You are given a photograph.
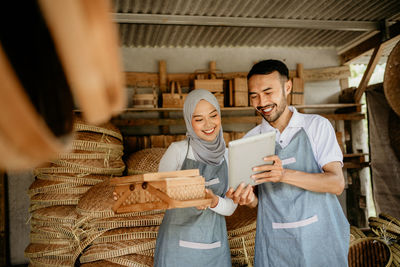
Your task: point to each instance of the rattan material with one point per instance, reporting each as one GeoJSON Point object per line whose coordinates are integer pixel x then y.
{"type": "Point", "coordinates": [96, 137]}
{"type": "Point", "coordinates": [134, 260]}
{"type": "Point", "coordinates": [242, 261]}
{"type": "Point", "coordinates": [98, 201]}
{"type": "Point", "coordinates": [390, 218]}
{"type": "Point", "coordinates": [395, 248]}
{"type": "Point", "coordinates": [44, 186]}
{"type": "Point", "coordinates": [391, 80]}
{"type": "Point", "coordinates": [115, 167]}
{"type": "Point", "coordinates": [40, 239]}
{"type": "Point", "coordinates": [97, 147]}
{"type": "Point", "coordinates": [239, 252]}
{"type": "Point", "coordinates": [237, 241]}
{"type": "Point", "coordinates": [88, 156]}
{"type": "Point", "coordinates": [369, 252]}
{"type": "Point", "coordinates": [58, 214]}
{"type": "Point", "coordinates": [243, 220]}
{"type": "Point", "coordinates": [108, 129]}
{"type": "Point", "coordinates": [100, 264]}
{"type": "Point", "coordinates": [384, 225]}
{"type": "Point", "coordinates": [56, 199]}
{"type": "Point", "coordinates": [116, 249]}
{"type": "Point", "coordinates": [131, 233]}
{"type": "Point", "coordinates": [50, 262]}
{"type": "Point", "coordinates": [144, 161]}
{"type": "Point", "coordinates": [52, 232]}
{"type": "Point", "coordinates": [82, 178]}
{"type": "Point", "coordinates": [149, 252]}
{"type": "Point", "coordinates": [357, 233]}
{"type": "Point", "coordinates": [135, 221]}
{"type": "Point", "coordinates": [40, 250]}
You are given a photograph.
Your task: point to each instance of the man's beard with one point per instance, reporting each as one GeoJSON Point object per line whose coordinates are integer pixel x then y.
{"type": "Point", "coordinates": [280, 109]}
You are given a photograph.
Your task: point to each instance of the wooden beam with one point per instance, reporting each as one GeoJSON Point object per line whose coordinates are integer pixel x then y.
{"type": "Point", "coordinates": [369, 44]}
{"type": "Point", "coordinates": [368, 72]}
{"type": "Point", "coordinates": [162, 66]}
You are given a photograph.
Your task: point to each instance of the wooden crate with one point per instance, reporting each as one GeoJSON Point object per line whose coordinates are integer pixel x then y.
{"type": "Point", "coordinates": [240, 92]}
{"type": "Point", "coordinates": [212, 85]}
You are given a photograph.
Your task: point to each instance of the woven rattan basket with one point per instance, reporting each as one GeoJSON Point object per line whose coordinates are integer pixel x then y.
{"type": "Point", "coordinates": [44, 186]}
{"type": "Point", "coordinates": [145, 160]}
{"type": "Point", "coordinates": [116, 249]}
{"type": "Point", "coordinates": [57, 214]}
{"type": "Point", "coordinates": [135, 221]}
{"type": "Point", "coordinates": [81, 178]}
{"type": "Point", "coordinates": [101, 264]}
{"type": "Point", "coordinates": [133, 260]}
{"type": "Point", "coordinates": [40, 250]}
{"type": "Point", "coordinates": [49, 261]}
{"type": "Point", "coordinates": [105, 128]}
{"type": "Point", "coordinates": [369, 251]}
{"type": "Point", "coordinates": [391, 81]}
{"type": "Point", "coordinates": [247, 238]}
{"type": "Point", "coordinates": [132, 233]}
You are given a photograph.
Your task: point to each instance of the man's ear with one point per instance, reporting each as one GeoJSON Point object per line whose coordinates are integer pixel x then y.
{"type": "Point", "coordinates": [288, 87]}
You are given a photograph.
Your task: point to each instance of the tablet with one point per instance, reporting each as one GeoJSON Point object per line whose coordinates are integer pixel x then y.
{"type": "Point", "coordinates": [246, 153]}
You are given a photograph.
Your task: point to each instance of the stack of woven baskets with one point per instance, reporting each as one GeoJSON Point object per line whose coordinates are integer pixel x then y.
{"type": "Point", "coordinates": [126, 239]}
{"type": "Point", "coordinates": [380, 247]}
{"type": "Point", "coordinates": [241, 228]}
{"type": "Point", "coordinates": [96, 156]}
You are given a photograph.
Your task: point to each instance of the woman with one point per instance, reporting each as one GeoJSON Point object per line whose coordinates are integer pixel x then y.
{"type": "Point", "coordinates": [198, 236]}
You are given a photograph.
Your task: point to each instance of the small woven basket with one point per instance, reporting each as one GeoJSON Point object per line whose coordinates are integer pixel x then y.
{"type": "Point", "coordinates": [369, 251]}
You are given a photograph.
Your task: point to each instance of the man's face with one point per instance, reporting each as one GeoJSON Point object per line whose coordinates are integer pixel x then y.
{"type": "Point", "coordinates": [268, 94]}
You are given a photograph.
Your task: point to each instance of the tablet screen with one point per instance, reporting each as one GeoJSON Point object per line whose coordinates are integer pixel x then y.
{"type": "Point", "coordinates": [246, 153]}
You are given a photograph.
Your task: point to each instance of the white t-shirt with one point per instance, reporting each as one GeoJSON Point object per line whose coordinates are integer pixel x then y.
{"type": "Point", "coordinates": [173, 159]}
{"type": "Point", "coordinates": [318, 129]}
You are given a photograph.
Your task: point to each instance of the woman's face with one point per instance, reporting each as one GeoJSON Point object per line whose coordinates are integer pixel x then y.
{"type": "Point", "coordinates": [206, 121]}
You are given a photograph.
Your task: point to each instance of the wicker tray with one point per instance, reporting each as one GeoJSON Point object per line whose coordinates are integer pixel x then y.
{"type": "Point", "coordinates": [133, 260]}
{"type": "Point", "coordinates": [132, 233]}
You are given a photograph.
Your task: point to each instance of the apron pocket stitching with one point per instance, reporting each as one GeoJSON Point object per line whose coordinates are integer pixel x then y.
{"type": "Point", "coordinates": [297, 224]}
{"type": "Point", "coordinates": [196, 245]}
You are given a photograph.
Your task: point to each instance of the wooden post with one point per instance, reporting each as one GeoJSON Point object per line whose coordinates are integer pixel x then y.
{"type": "Point", "coordinates": [163, 76]}
{"type": "Point", "coordinates": [213, 66]}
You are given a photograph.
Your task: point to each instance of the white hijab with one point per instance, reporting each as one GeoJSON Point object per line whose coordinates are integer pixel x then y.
{"type": "Point", "coordinates": [204, 151]}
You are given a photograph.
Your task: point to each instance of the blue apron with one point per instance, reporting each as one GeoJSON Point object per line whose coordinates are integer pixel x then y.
{"type": "Point", "coordinates": [192, 237]}
{"type": "Point", "coordinates": [297, 227]}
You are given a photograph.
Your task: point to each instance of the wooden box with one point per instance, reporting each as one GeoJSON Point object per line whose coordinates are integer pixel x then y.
{"type": "Point", "coordinates": [212, 85]}
{"type": "Point", "coordinates": [145, 100]}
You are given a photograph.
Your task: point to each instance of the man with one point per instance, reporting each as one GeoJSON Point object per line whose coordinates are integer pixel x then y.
{"type": "Point", "coordinates": [300, 221]}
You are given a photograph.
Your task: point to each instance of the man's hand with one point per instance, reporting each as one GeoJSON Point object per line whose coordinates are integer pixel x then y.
{"type": "Point", "coordinates": [243, 195]}
{"type": "Point", "coordinates": [269, 173]}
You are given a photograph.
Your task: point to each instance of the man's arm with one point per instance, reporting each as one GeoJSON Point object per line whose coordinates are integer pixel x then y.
{"type": "Point", "coordinates": [329, 181]}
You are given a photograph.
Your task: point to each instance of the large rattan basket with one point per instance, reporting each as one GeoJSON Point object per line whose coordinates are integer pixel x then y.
{"type": "Point", "coordinates": [144, 161]}
{"type": "Point", "coordinates": [369, 251]}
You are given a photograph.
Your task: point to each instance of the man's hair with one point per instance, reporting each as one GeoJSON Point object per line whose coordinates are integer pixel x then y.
{"type": "Point", "coordinates": [269, 66]}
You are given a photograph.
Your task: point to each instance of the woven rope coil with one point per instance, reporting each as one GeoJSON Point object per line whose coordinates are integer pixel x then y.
{"type": "Point", "coordinates": [145, 160]}
{"type": "Point", "coordinates": [357, 233]}
{"type": "Point", "coordinates": [134, 260]}
{"type": "Point", "coordinates": [369, 252]}
{"type": "Point", "coordinates": [385, 225]}
{"type": "Point", "coordinates": [116, 249]}
{"type": "Point", "coordinates": [389, 218]}
{"type": "Point", "coordinates": [132, 233]}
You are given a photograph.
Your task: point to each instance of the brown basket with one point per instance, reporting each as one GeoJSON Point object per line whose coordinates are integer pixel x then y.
{"type": "Point", "coordinates": [133, 260]}
{"type": "Point", "coordinates": [97, 138]}
{"type": "Point", "coordinates": [116, 249]}
{"type": "Point", "coordinates": [49, 261]}
{"type": "Point", "coordinates": [57, 232]}
{"type": "Point", "coordinates": [369, 251]}
{"type": "Point", "coordinates": [58, 214]}
{"type": "Point", "coordinates": [40, 250]}
{"type": "Point", "coordinates": [391, 80]}
{"type": "Point", "coordinates": [78, 178]}
{"type": "Point", "coordinates": [384, 225]}
{"type": "Point", "coordinates": [144, 161]}
{"type": "Point", "coordinates": [44, 186]}
{"type": "Point", "coordinates": [247, 238]}
{"type": "Point", "coordinates": [106, 128]}
{"type": "Point", "coordinates": [100, 264]}
{"type": "Point", "coordinates": [134, 221]}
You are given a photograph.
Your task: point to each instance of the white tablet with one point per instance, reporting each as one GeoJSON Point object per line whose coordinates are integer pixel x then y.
{"type": "Point", "coordinates": [246, 153]}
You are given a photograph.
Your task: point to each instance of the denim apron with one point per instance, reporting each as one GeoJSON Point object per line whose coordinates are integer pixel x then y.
{"type": "Point", "coordinates": [192, 237]}
{"type": "Point", "coordinates": [297, 227]}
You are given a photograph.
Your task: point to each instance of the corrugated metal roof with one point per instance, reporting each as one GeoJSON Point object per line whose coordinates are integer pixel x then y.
{"type": "Point", "coordinates": [211, 23]}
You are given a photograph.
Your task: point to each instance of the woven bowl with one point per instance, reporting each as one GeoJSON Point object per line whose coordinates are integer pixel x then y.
{"type": "Point", "coordinates": [391, 80]}
{"type": "Point", "coordinates": [145, 160]}
{"type": "Point", "coordinates": [369, 251]}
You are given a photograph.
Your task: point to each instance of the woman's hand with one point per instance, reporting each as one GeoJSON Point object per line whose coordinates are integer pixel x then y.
{"type": "Point", "coordinates": [214, 201]}
{"type": "Point", "coordinates": [243, 195]}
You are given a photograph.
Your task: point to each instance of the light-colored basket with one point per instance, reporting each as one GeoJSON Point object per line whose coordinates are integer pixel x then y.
{"type": "Point", "coordinates": [237, 241]}
{"type": "Point", "coordinates": [134, 260]}
{"type": "Point", "coordinates": [48, 261]}
{"type": "Point", "coordinates": [40, 250]}
{"type": "Point", "coordinates": [118, 222]}
{"type": "Point", "coordinates": [106, 128]}
{"type": "Point", "coordinates": [116, 249]}
{"type": "Point", "coordinates": [100, 264]}
{"type": "Point", "coordinates": [369, 251]}
{"type": "Point", "coordinates": [44, 186]}
{"type": "Point", "coordinates": [132, 233]}
{"type": "Point", "coordinates": [78, 178]}
{"type": "Point", "coordinates": [145, 160]}
{"type": "Point", "coordinates": [57, 214]}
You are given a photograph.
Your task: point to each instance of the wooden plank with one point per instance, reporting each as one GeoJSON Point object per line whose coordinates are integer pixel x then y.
{"type": "Point", "coordinates": [369, 44]}
{"type": "Point", "coordinates": [153, 176]}
{"type": "Point", "coordinates": [162, 65]}
{"type": "Point", "coordinates": [330, 73]}
{"type": "Point", "coordinates": [141, 79]}
{"type": "Point", "coordinates": [376, 55]}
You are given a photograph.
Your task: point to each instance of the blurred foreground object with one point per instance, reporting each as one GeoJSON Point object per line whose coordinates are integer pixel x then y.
{"type": "Point", "coordinates": [391, 80]}
{"type": "Point", "coordinates": [72, 58]}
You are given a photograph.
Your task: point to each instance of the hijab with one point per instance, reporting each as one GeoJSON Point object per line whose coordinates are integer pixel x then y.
{"type": "Point", "coordinates": [204, 151]}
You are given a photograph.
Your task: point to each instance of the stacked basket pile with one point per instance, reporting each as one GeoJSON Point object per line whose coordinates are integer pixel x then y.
{"type": "Point", "coordinates": [96, 156]}
{"type": "Point", "coordinates": [241, 228]}
{"type": "Point", "coordinates": [379, 246]}
{"type": "Point", "coordinates": [126, 239]}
